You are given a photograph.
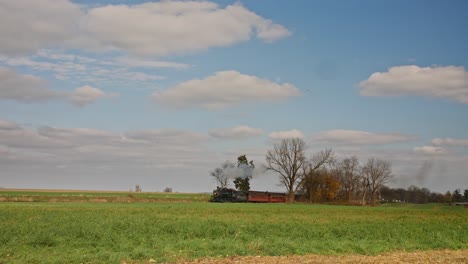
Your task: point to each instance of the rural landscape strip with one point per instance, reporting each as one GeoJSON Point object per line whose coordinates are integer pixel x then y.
{"type": "Point", "coordinates": [181, 227]}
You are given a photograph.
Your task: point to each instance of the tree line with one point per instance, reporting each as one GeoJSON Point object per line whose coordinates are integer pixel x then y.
{"type": "Point", "coordinates": [323, 178]}
{"type": "Point", "coordinates": [414, 194]}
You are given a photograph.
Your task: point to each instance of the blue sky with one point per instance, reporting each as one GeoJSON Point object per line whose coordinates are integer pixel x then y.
{"type": "Point", "coordinates": [110, 94]}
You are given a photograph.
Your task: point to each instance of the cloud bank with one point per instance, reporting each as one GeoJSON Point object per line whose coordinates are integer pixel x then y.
{"type": "Point", "coordinates": [357, 137]}
{"type": "Point", "coordinates": [88, 146]}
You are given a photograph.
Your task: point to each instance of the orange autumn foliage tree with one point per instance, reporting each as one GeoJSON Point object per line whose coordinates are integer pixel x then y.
{"type": "Point", "coordinates": [321, 186]}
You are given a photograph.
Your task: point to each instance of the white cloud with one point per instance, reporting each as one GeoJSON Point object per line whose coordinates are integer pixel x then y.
{"type": "Point", "coordinates": [28, 62]}
{"type": "Point", "coordinates": [168, 27]}
{"type": "Point", "coordinates": [224, 89]}
{"type": "Point", "coordinates": [445, 82]}
{"type": "Point", "coordinates": [77, 137]}
{"type": "Point", "coordinates": [237, 132]}
{"type": "Point", "coordinates": [142, 77]}
{"type": "Point", "coordinates": [450, 142]}
{"type": "Point", "coordinates": [294, 133]}
{"type": "Point", "coordinates": [14, 136]}
{"type": "Point", "coordinates": [90, 147]}
{"type": "Point", "coordinates": [26, 26]}
{"type": "Point", "coordinates": [137, 62]}
{"type": "Point", "coordinates": [165, 136]}
{"type": "Point", "coordinates": [430, 150]}
{"type": "Point", "coordinates": [69, 66]}
{"type": "Point", "coordinates": [25, 88]}
{"type": "Point", "coordinates": [31, 89]}
{"type": "Point", "coordinates": [177, 26]}
{"type": "Point", "coordinates": [86, 95]}
{"type": "Point", "coordinates": [356, 137]}
{"type": "Point", "coordinates": [157, 157]}
{"type": "Point", "coordinates": [8, 125]}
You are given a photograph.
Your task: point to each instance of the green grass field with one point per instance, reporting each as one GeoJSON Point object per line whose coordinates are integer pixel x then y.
{"type": "Point", "coordinates": [137, 232]}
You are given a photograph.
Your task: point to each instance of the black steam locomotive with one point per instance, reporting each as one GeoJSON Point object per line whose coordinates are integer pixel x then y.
{"type": "Point", "coordinates": [231, 195]}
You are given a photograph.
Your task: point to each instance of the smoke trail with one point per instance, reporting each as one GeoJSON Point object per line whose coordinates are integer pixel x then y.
{"type": "Point", "coordinates": [424, 171]}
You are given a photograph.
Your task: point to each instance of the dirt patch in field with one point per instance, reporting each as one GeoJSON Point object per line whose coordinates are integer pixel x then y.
{"type": "Point", "coordinates": [435, 256]}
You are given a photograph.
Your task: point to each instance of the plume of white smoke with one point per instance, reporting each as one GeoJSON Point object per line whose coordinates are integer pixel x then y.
{"type": "Point", "coordinates": [243, 171]}
{"type": "Point", "coordinates": [424, 171]}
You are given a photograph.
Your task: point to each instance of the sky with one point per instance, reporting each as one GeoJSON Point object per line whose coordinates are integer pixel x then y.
{"type": "Point", "coordinates": [105, 95]}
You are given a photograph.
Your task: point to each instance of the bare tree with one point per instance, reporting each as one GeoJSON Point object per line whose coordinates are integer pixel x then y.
{"type": "Point", "coordinates": [348, 171]}
{"type": "Point", "coordinates": [364, 184]}
{"type": "Point", "coordinates": [288, 160]}
{"type": "Point", "coordinates": [221, 175]}
{"type": "Point", "coordinates": [376, 173]}
{"type": "Point", "coordinates": [137, 188]}
{"type": "Point", "coordinates": [318, 160]}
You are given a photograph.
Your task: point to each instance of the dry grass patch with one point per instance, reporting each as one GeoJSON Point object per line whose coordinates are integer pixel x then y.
{"type": "Point", "coordinates": [433, 256]}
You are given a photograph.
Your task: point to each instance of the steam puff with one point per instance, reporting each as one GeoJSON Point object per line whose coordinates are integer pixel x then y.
{"type": "Point", "coordinates": [244, 171]}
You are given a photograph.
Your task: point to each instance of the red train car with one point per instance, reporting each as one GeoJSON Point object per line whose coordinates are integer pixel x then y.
{"type": "Point", "coordinates": [266, 197]}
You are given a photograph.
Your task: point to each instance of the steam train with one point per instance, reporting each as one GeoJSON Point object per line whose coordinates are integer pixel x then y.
{"type": "Point", "coordinates": [223, 195]}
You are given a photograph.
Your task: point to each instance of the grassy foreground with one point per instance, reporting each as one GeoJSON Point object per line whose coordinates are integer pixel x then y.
{"type": "Point", "coordinates": [138, 232]}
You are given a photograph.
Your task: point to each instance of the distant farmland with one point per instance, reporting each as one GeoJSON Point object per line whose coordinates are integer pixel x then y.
{"type": "Point", "coordinates": [190, 228]}
{"type": "Point", "coordinates": [31, 195]}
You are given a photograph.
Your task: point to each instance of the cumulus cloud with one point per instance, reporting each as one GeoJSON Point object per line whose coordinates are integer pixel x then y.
{"type": "Point", "coordinates": [445, 82]}
{"type": "Point", "coordinates": [356, 137]}
{"type": "Point", "coordinates": [177, 26]}
{"type": "Point", "coordinates": [450, 142]}
{"type": "Point", "coordinates": [430, 150]}
{"type": "Point", "coordinates": [169, 26]}
{"type": "Point", "coordinates": [25, 88]}
{"type": "Point", "coordinates": [224, 89]}
{"type": "Point", "coordinates": [238, 132]}
{"type": "Point", "coordinates": [293, 133]}
{"type": "Point", "coordinates": [26, 26]}
{"type": "Point", "coordinates": [31, 89]}
{"type": "Point", "coordinates": [86, 95]}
